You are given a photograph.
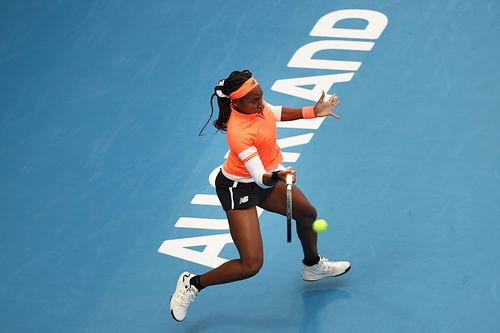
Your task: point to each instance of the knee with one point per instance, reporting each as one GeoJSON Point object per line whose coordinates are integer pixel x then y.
{"type": "Point", "coordinates": [252, 266]}
{"type": "Point", "coordinates": [312, 213]}
{"type": "Point", "coordinates": [308, 214]}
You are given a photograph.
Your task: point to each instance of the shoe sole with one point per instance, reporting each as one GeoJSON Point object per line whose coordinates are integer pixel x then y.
{"type": "Point", "coordinates": [172, 313]}
{"type": "Point", "coordinates": [324, 277]}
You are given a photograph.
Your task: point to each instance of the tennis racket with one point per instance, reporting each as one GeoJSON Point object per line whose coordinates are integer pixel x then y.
{"type": "Point", "coordinates": [289, 185]}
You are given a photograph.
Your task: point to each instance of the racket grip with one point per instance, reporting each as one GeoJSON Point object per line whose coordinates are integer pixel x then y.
{"type": "Point", "coordinates": [289, 180]}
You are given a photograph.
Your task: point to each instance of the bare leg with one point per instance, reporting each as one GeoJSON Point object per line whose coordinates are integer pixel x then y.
{"type": "Point", "coordinates": [245, 231]}
{"type": "Point", "coordinates": [303, 213]}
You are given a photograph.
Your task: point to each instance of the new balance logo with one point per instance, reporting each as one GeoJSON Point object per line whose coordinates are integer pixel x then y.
{"type": "Point", "coordinates": [244, 199]}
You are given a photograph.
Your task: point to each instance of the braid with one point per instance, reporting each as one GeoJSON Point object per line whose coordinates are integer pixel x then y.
{"type": "Point", "coordinates": [226, 87]}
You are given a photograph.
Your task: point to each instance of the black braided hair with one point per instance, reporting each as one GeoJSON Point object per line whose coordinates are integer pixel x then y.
{"type": "Point", "coordinates": [231, 84]}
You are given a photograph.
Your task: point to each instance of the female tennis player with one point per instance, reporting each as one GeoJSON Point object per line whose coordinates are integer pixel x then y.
{"type": "Point", "coordinates": [250, 177]}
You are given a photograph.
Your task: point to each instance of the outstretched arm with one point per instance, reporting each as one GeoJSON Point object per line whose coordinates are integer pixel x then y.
{"type": "Point", "coordinates": [321, 109]}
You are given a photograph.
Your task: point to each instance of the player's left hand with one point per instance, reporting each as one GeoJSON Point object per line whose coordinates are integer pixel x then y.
{"type": "Point", "coordinates": [325, 108]}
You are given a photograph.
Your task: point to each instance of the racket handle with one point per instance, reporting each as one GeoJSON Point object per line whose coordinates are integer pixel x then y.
{"type": "Point", "coordinates": [289, 180]}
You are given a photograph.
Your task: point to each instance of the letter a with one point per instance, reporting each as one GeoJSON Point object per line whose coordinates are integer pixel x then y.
{"type": "Point", "coordinates": [208, 257]}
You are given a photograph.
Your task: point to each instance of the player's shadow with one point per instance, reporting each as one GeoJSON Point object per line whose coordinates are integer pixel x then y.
{"type": "Point", "coordinates": [255, 322]}
{"type": "Point", "coordinates": [315, 297]}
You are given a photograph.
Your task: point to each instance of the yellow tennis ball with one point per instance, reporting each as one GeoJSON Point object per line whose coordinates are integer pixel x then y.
{"type": "Point", "coordinates": [320, 225]}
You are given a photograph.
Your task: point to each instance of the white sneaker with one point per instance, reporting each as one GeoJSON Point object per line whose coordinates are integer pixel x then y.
{"type": "Point", "coordinates": [183, 296]}
{"type": "Point", "coordinates": [324, 268]}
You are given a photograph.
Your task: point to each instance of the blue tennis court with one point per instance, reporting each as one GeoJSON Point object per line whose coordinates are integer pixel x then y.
{"type": "Point", "coordinates": [106, 189]}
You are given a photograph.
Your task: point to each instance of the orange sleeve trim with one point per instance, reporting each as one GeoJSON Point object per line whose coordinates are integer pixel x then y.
{"type": "Point", "coordinates": [308, 112]}
{"type": "Point", "coordinates": [248, 158]}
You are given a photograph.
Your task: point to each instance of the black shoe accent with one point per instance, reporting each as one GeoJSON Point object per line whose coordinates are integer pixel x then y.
{"type": "Point", "coordinates": [347, 270]}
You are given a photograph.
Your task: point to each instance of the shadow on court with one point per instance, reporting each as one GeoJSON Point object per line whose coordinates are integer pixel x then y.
{"type": "Point", "coordinates": [317, 297]}
{"type": "Point", "coordinates": [302, 313]}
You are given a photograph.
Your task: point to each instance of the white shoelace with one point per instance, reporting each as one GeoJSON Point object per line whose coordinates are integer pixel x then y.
{"type": "Point", "coordinates": [188, 296]}
{"type": "Point", "coordinates": [323, 265]}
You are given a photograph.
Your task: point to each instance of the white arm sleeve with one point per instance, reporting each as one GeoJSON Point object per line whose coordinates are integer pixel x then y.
{"type": "Point", "coordinates": [276, 110]}
{"type": "Point", "coordinates": [256, 169]}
